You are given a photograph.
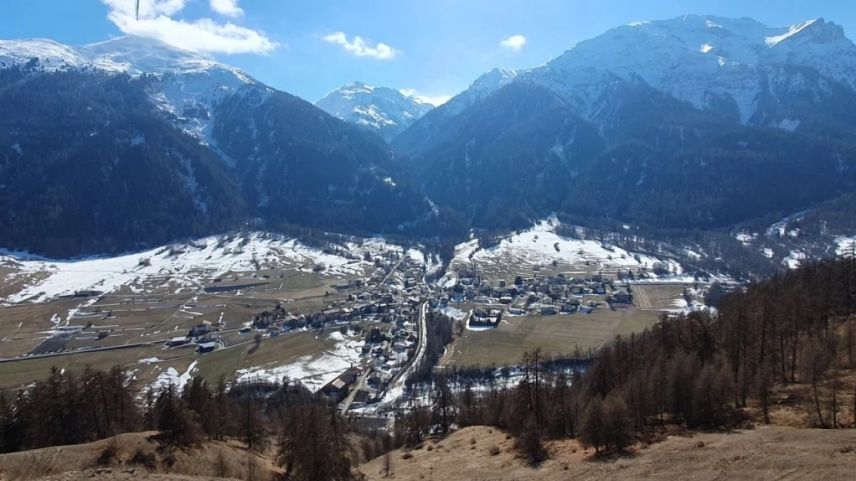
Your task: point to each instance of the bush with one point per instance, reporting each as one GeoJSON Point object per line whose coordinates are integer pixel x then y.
{"type": "Point", "coordinates": [617, 423]}
{"type": "Point", "coordinates": [529, 444]}
{"type": "Point", "coordinates": [147, 460]}
{"type": "Point", "coordinates": [107, 455]}
{"type": "Point", "coordinates": [606, 423]}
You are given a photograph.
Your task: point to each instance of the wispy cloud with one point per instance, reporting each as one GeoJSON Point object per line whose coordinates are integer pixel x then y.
{"type": "Point", "coordinates": [360, 47]}
{"type": "Point", "coordinates": [435, 100]}
{"type": "Point", "coordinates": [204, 35]}
{"type": "Point", "coordinates": [514, 42]}
{"type": "Point", "coordinates": [228, 8]}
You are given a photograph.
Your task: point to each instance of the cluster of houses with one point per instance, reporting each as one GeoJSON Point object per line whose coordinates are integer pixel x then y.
{"type": "Point", "coordinates": [538, 295]}
{"type": "Point", "coordinates": [205, 337]}
{"type": "Point", "coordinates": [385, 308]}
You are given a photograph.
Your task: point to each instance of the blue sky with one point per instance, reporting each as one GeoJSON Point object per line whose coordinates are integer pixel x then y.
{"type": "Point", "coordinates": [435, 47]}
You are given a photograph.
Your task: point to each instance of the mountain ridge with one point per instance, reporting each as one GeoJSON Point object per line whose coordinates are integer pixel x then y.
{"type": "Point", "coordinates": [658, 94]}
{"type": "Point", "coordinates": [339, 177]}
{"type": "Point", "coordinates": [382, 110]}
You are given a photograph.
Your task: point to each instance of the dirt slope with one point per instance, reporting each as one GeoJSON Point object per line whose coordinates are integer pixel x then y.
{"type": "Point", "coordinates": [134, 456]}
{"type": "Point", "coordinates": [767, 453]}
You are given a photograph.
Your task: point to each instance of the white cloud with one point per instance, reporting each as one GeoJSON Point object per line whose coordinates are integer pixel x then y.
{"type": "Point", "coordinates": [435, 100]}
{"type": "Point", "coordinates": [228, 8]}
{"type": "Point", "coordinates": [359, 47]}
{"type": "Point", "coordinates": [514, 42]}
{"type": "Point", "coordinates": [203, 35]}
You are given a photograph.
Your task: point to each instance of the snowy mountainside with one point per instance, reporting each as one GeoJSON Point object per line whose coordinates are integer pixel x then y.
{"type": "Point", "coordinates": [705, 60]}
{"type": "Point", "coordinates": [222, 141]}
{"type": "Point", "coordinates": [801, 237]}
{"type": "Point", "coordinates": [383, 110]}
{"type": "Point", "coordinates": [434, 125]}
{"type": "Point", "coordinates": [694, 122]}
{"type": "Point", "coordinates": [183, 266]}
{"type": "Point", "coordinates": [188, 85]}
{"type": "Point", "coordinates": [486, 84]}
{"type": "Point", "coordinates": [51, 55]}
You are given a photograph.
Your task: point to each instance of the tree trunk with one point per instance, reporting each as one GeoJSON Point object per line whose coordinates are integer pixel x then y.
{"type": "Point", "coordinates": [817, 400]}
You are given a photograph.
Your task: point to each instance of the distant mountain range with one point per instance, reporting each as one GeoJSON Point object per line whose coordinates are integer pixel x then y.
{"type": "Point", "coordinates": [382, 110]}
{"type": "Point", "coordinates": [130, 142]}
{"type": "Point", "coordinates": [694, 123]}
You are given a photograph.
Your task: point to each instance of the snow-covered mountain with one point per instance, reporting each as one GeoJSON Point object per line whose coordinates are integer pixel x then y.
{"type": "Point", "coordinates": [695, 121]}
{"type": "Point", "coordinates": [130, 142]}
{"type": "Point", "coordinates": [186, 84]}
{"type": "Point", "coordinates": [383, 110]}
{"type": "Point", "coordinates": [740, 66]}
{"type": "Point", "coordinates": [427, 130]}
{"type": "Point", "coordinates": [486, 84]}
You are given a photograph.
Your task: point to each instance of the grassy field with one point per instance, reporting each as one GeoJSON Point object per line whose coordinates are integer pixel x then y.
{"type": "Point", "coordinates": [658, 297]}
{"type": "Point", "coordinates": [764, 453]}
{"type": "Point", "coordinates": [278, 350]}
{"type": "Point", "coordinates": [22, 372]}
{"type": "Point", "coordinates": [555, 335]}
{"type": "Point", "coordinates": [243, 354]}
{"type": "Point", "coordinates": [23, 326]}
{"type": "Point", "coordinates": [158, 313]}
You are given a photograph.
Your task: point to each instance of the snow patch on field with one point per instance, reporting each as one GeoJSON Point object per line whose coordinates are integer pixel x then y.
{"type": "Point", "coordinates": [314, 372]}
{"type": "Point", "coordinates": [172, 377]}
{"type": "Point", "coordinates": [453, 312]}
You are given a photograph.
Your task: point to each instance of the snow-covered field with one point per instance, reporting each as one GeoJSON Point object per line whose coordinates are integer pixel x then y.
{"type": "Point", "coordinates": [312, 371]}
{"type": "Point", "coordinates": [453, 312]}
{"type": "Point", "coordinates": [541, 245]}
{"type": "Point", "coordinates": [181, 266]}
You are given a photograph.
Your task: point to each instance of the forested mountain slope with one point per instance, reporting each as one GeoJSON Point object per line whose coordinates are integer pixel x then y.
{"type": "Point", "coordinates": [689, 123]}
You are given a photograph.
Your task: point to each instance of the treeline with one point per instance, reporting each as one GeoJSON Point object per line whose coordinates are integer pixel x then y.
{"type": "Point", "coordinates": [699, 370]}
{"type": "Point", "coordinates": [438, 336]}
{"type": "Point", "coordinates": [67, 408]}
{"type": "Point", "coordinates": [312, 441]}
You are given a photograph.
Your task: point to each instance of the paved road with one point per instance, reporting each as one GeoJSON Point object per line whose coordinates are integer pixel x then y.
{"type": "Point", "coordinates": [346, 404]}
{"type": "Point", "coordinates": [397, 384]}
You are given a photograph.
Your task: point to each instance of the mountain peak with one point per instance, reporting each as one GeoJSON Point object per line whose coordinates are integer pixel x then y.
{"type": "Point", "coordinates": [815, 31]}
{"type": "Point", "coordinates": [383, 110]}
{"type": "Point", "coordinates": [356, 87]}
{"type": "Point", "coordinates": [51, 55]}
{"type": "Point", "coordinates": [138, 55]}
{"type": "Point", "coordinates": [494, 79]}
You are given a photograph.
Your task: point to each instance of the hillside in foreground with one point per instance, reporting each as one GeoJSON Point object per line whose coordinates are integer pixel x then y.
{"type": "Point", "coordinates": [764, 453]}
{"type": "Point", "coordinates": [136, 456]}
{"type": "Point", "coordinates": [759, 454]}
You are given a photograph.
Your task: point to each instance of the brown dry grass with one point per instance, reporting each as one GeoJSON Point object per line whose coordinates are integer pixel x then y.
{"type": "Point", "coordinates": [557, 335]}
{"type": "Point", "coordinates": [211, 459]}
{"type": "Point", "coordinates": [765, 453]}
{"type": "Point", "coordinates": [657, 297]}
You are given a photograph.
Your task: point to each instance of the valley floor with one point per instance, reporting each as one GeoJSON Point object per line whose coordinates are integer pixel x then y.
{"type": "Point", "coordinates": [765, 453]}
